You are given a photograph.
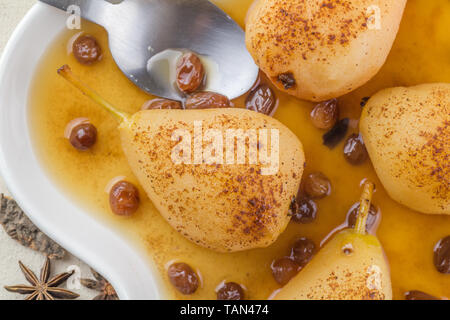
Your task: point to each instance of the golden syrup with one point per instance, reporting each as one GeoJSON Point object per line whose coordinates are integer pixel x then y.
{"type": "Point", "coordinates": [420, 55]}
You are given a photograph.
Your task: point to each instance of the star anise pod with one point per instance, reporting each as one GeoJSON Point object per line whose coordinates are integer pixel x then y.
{"type": "Point", "coordinates": [100, 284]}
{"type": "Point", "coordinates": [42, 288]}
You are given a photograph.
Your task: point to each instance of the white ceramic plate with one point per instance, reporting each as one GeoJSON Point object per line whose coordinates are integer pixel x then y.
{"type": "Point", "coordinates": [54, 213]}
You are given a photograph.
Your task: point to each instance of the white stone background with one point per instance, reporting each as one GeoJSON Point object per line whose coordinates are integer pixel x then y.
{"type": "Point", "coordinates": [11, 12]}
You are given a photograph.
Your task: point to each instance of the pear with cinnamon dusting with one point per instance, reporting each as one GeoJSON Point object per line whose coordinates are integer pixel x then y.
{"type": "Point", "coordinates": [350, 266]}
{"type": "Point", "coordinates": [318, 50]}
{"type": "Point", "coordinates": [209, 194]}
{"type": "Point", "coordinates": [407, 136]}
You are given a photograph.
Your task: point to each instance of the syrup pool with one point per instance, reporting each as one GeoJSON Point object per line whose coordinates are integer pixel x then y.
{"type": "Point", "coordinates": [420, 54]}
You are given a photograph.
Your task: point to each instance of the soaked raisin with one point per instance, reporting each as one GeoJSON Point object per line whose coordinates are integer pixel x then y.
{"type": "Point", "coordinates": [190, 73]}
{"type": "Point", "coordinates": [355, 151]}
{"type": "Point", "coordinates": [303, 210]}
{"type": "Point", "coordinates": [336, 134]}
{"type": "Point", "coordinates": [207, 100]}
{"type": "Point", "coordinates": [316, 185]}
{"type": "Point", "coordinates": [124, 198]}
{"type": "Point", "coordinates": [372, 218]}
{"type": "Point", "coordinates": [364, 101]}
{"type": "Point", "coordinates": [83, 136]}
{"type": "Point", "coordinates": [230, 291]}
{"type": "Point", "coordinates": [86, 50]}
{"type": "Point", "coordinates": [161, 104]}
{"type": "Point", "coordinates": [287, 79]}
{"type": "Point", "coordinates": [183, 278]}
{"type": "Point", "coordinates": [302, 251]}
{"type": "Point", "coordinates": [262, 99]}
{"type": "Point", "coordinates": [325, 114]}
{"type": "Point", "coordinates": [419, 295]}
{"type": "Point", "coordinates": [284, 269]}
{"type": "Point", "coordinates": [442, 255]}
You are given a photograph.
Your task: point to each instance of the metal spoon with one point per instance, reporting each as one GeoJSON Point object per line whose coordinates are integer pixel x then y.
{"type": "Point", "coordinates": [143, 30]}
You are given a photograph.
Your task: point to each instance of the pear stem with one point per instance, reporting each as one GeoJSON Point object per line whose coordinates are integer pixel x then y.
{"type": "Point", "coordinates": [67, 74]}
{"type": "Point", "coordinates": [364, 207]}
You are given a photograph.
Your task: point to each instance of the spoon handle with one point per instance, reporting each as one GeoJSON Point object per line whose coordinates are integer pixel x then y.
{"type": "Point", "coordinates": [96, 11]}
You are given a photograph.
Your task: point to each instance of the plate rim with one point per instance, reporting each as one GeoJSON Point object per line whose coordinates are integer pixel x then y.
{"type": "Point", "coordinates": [135, 278]}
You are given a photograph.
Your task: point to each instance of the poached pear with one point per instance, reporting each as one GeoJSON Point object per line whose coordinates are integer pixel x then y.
{"type": "Point", "coordinates": [350, 266]}
{"type": "Point", "coordinates": [407, 135]}
{"type": "Point", "coordinates": [224, 206]}
{"type": "Point", "coordinates": [318, 50]}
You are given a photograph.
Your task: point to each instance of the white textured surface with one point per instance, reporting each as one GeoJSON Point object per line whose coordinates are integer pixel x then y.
{"type": "Point", "coordinates": [11, 12]}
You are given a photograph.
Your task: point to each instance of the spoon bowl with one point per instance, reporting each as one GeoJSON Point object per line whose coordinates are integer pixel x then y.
{"type": "Point", "coordinates": [141, 31]}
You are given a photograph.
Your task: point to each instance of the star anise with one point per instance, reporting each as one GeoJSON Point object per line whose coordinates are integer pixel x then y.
{"type": "Point", "coordinates": [100, 284]}
{"type": "Point", "coordinates": [42, 288]}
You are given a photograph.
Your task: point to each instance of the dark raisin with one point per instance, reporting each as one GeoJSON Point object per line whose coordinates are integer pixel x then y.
{"type": "Point", "coordinates": [355, 151]}
{"type": "Point", "coordinates": [207, 100]}
{"type": "Point", "coordinates": [419, 295]}
{"type": "Point", "coordinates": [372, 218]}
{"type": "Point", "coordinates": [284, 269]}
{"type": "Point", "coordinates": [325, 114]}
{"type": "Point", "coordinates": [86, 50]}
{"type": "Point", "coordinates": [190, 73]}
{"type": "Point", "coordinates": [302, 209]}
{"type": "Point", "coordinates": [262, 99]}
{"type": "Point", "coordinates": [183, 278]}
{"type": "Point", "coordinates": [442, 255]}
{"type": "Point", "coordinates": [316, 185]}
{"type": "Point", "coordinates": [161, 104]}
{"type": "Point", "coordinates": [332, 138]}
{"type": "Point", "coordinates": [287, 79]}
{"type": "Point", "coordinates": [364, 101]}
{"type": "Point", "coordinates": [83, 136]}
{"type": "Point", "coordinates": [302, 251]}
{"type": "Point", "coordinates": [230, 291]}
{"type": "Point", "coordinates": [124, 198]}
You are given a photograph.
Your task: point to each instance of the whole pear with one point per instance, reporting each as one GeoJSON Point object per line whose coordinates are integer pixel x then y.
{"type": "Point", "coordinates": [318, 50]}
{"type": "Point", "coordinates": [224, 207]}
{"type": "Point", "coordinates": [407, 135]}
{"type": "Point", "coordinates": [182, 159]}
